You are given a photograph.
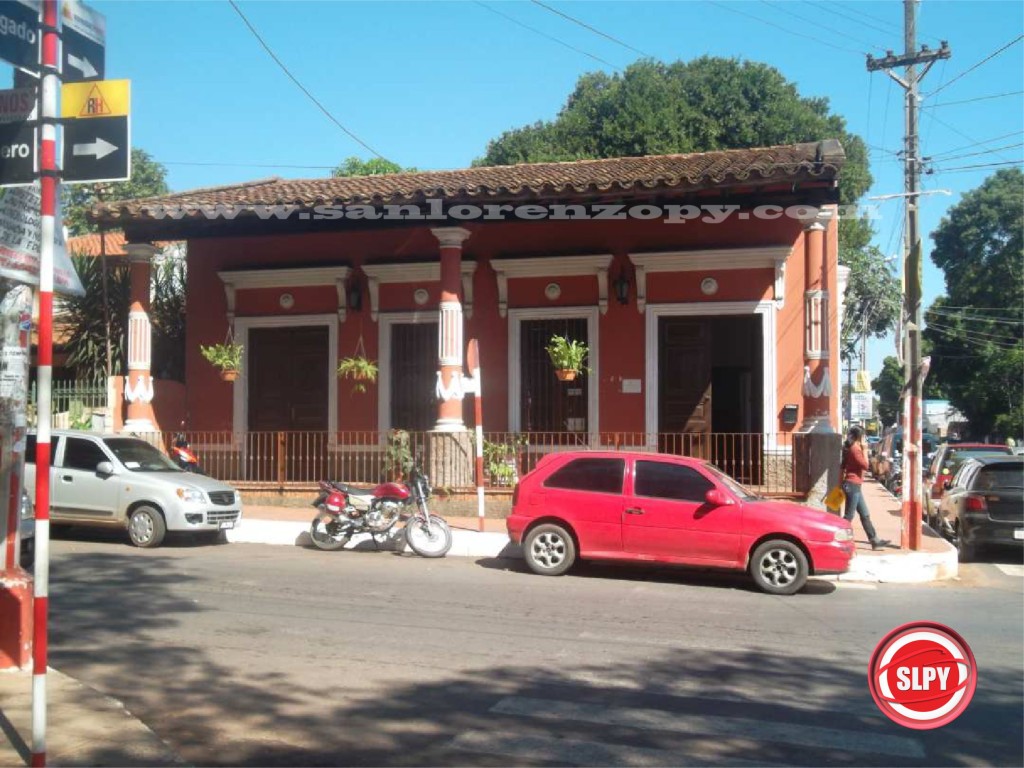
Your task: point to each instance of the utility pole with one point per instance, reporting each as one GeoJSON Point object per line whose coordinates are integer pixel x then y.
{"type": "Point", "coordinates": [913, 375]}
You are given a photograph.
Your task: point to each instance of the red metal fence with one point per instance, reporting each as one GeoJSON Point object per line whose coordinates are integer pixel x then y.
{"type": "Point", "coordinates": [297, 460]}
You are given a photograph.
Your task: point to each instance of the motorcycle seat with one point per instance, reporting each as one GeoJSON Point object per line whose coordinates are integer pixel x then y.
{"type": "Point", "coordinates": [352, 490]}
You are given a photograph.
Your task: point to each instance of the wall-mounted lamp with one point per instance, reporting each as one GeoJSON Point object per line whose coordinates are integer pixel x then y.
{"type": "Point", "coordinates": [621, 286]}
{"type": "Point", "coordinates": [355, 296]}
{"type": "Point", "coordinates": [790, 411]}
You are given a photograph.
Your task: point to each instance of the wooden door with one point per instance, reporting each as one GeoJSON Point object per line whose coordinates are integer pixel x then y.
{"type": "Point", "coordinates": [684, 384]}
{"type": "Point", "coordinates": [413, 376]}
{"type": "Point", "coordinates": [288, 386]}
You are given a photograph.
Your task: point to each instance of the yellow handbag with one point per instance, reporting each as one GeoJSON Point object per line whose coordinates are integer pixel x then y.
{"type": "Point", "coordinates": [835, 500]}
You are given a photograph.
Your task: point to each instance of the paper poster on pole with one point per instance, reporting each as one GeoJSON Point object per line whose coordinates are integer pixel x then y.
{"type": "Point", "coordinates": [19, 242]}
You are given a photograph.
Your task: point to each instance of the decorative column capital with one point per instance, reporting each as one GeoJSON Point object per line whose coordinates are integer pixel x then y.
{"type": "Point", "coordinates": [141, 251]}
{"type": "Point", "coordinates": [451, 237]}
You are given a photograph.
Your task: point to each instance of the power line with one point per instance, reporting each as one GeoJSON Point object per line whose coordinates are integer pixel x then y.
{"type": "Point", "coordinates": [971, 69]}
{"type": "Point", "coordinates": [979, 309]}
{"type": "Point", "coordinates": [982, 165]}
{"type": "Point", "coordinates": [998, 320]}
{"type": "Point", "coordinates": [982, 152]}
{"type": "Point", "coordinates": [544, 34]}
{"type": "Point", "coordinates": [836, 12]}
{"type": "Point", "coordinates": [971, 101]}
{"type": "Point", "coordinates": [303, 88]}
{"type": "Point", "coordinates": [958, 132]}
{"type": "Point", "coordinates": [977, 336]}
{"type": "Point", "coordinates": [784, 29]}
{"type": "Point", "coordinates": [817, 23]}
{"type": "Point", "coordinates": [976, 144]}
{"type": "Point", "coordinates": [596, 31]}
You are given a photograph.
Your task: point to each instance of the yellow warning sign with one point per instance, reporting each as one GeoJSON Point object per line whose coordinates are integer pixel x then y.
{"type": "Point", "coordinates": [100, 98]}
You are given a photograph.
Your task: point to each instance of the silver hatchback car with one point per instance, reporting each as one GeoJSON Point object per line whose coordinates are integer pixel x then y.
{"type": "Point", "coordinates": [122, 481]}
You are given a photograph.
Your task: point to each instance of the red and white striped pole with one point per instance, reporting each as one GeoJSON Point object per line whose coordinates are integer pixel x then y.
{"type": "Point", "coordinates": [48, 209]}
{"type": "Point", "coordinates": [473, 361]}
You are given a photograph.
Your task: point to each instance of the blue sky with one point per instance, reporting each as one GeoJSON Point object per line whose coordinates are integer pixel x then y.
{"type": "Point", "coordinates": [427, 84]}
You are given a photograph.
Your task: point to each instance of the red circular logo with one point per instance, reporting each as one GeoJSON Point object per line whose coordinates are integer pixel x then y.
{"type": "Point", "coordinates": [922, 675]}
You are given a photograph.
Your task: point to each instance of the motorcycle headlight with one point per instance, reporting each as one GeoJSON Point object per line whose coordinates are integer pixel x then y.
{"type": "Point", "coordinates": [190, 495]}
{"type": "Point", "coordinates": [26, 507]}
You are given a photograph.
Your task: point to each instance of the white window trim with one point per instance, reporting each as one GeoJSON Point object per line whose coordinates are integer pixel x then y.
{"type": "Point", "coordinates": [553, 266]}
{"type": "Point", "coordinates": [416, 272]}
{"type": "Point", "coordinates": [760, 257]}
{"type": "Point", "coordinates": [385, 322]}
{"type": "Point", "coordinates": [243, 325]}
{"type": "Point", "coordinates": [246, 279]}
{"type": "Point", "coordinates": [515, 373]}
{"type": "Point", "coordinates": [766, 309]}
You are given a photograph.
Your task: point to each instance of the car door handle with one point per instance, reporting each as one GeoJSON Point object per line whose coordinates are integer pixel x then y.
{"type": "Point", "coordinates": [67, 478]}
{"type": "Point", "coordinates": [634, 511]}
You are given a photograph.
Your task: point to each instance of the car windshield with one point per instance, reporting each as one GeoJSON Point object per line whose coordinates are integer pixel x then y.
{"type": "Point", "coordinates": [731, 484]}
{"type": "Point", "coordinates": [139, 456]}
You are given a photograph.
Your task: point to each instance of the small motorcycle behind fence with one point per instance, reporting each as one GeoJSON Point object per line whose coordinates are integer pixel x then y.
{"type": "Point", "coordinates": [346, 510]}
{"type": "Point", "coordinates": [183, 454]}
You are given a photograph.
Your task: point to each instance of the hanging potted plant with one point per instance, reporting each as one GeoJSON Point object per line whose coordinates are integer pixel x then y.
{"type": "Point", "coordinates": [567, 357]}
{"type": "Point", "coordinates": [227, 357]}
{"type": "Point", "coordinates": [358, 368]}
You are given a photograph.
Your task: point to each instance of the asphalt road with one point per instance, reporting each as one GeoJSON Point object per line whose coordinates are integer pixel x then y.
{"type": "Point", "coordinates": [258, 655]}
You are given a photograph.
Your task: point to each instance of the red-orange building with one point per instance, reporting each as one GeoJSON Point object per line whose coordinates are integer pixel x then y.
{"type": "Point", "coordinates": [706, 286]}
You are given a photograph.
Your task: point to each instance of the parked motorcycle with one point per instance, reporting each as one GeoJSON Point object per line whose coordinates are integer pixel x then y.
{"type": "Point", "coordinates": [346, 510]}
{"type": "Point", "coordinates": [183, 454]}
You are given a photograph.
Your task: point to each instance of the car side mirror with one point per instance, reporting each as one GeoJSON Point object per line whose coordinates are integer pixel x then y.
{"type": "Point", "coordinates": [105, 468]}
{"type": "Point", "coordinates": [717, 498]}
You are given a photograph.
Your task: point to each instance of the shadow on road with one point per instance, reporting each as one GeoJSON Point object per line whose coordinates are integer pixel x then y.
{"type": "Point", "coordinates": [187, 697]}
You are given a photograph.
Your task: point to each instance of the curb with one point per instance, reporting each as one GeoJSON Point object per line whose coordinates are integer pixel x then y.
{"type": "Point", "coordinates": [896, 568]}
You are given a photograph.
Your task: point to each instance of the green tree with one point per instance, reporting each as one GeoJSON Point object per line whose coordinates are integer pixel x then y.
{"type": "Point", "coordinates": [167, 316]}
{"type": "Point", "coordinates": [375, 166]}
{"type": "Point", "coordinates": [149, 178]}
{"type": "Point", "coordinates": [888, 387]}
{"type": "Point", "coordinates": [711, 104]}
{"type": "Point", "coordinates": [84, 318]}
{"type": "Point", "coordinates": [976, 331]}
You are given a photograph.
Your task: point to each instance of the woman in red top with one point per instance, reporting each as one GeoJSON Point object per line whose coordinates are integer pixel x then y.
{"type": "Point", "coordinates": [852, 473]}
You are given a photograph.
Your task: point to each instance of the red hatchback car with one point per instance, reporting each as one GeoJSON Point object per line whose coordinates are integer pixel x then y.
{"type": "Point", "coordinates": [649, 507]}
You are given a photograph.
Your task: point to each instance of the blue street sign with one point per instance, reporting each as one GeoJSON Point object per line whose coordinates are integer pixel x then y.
{"type": "Point", "coordinates": [19, 33]}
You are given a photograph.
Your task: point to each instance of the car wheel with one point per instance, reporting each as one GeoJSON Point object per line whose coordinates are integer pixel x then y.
{"type": "Point", "coordinates": [549, 550]}
{"type": "Point", "coordinates": [146, 527]}
{"type": "Point", "coordinates": [966, 551]}
{"type": "Point", "coordinates": [779, 567]}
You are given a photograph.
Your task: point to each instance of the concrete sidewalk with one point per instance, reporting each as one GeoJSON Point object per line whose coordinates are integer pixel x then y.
{"type": "Point", "coordinates": [936, 560]}
{"type": "Point", "coordinates": [84, 727]}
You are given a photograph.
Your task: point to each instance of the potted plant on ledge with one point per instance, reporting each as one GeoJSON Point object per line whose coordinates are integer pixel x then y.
{"type": "Point", "coordinates": [567, 357]}
{"type": "Point", "coordinates": [227, 357]}
{"type": "Point", "coordinates": [359, 369]}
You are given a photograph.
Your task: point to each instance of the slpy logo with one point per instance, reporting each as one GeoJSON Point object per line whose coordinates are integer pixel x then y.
{"type": "Point", "coordinates": [922, 675]}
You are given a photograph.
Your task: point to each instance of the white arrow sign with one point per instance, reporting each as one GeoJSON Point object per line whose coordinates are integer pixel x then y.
{"type": "Point", "coordinates": [82, 65]}
{"type": "Point", "coordinates": [100, 148]}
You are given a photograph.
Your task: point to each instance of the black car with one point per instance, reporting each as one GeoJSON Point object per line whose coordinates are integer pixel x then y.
{"type": "Point", "coordinates": [984, 504]}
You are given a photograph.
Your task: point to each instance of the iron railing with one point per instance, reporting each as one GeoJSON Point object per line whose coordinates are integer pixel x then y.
{"type": "Point", "coordinates": [297, 460]}
{"type": "Point", "coordinates": [71, 403]}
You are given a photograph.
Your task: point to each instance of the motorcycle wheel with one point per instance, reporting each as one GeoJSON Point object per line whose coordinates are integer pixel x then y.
{"type": "Point", "coordinates": [432, 542]}
{"type": "Point", "coordinates": [320, 531]}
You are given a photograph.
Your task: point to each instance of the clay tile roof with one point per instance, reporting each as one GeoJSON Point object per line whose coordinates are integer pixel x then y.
{"type": "Point", "coordinates": [89, 244]}
{"type": "Point", "coordinates": [543, 181]}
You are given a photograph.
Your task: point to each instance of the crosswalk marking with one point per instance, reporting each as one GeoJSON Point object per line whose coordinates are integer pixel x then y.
{"type": "Point", "coordinates": [579, 752]}
{"type": "Point", "coordinates": [675, 722]}
{"type": "Point", "coordinates": [1010, 570]}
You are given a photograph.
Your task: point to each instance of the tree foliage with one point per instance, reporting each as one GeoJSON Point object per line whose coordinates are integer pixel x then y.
{"type": "Point", "coordinates": [712, 104]}
{"type": "Point", "coordinates": [976, 331]}
{"type": "Point", "coordinates": [83, 317]}
{"type": "Point", "coordinates": [888, 387]}
{"type": "Point", "coordinates": [375, 166]}
{"type": "Point", "coordinates": [149, 178]}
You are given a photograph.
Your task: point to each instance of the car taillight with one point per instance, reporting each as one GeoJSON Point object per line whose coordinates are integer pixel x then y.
{"type": "Point", "coordinates": [976, 504]}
